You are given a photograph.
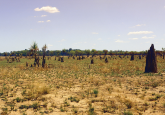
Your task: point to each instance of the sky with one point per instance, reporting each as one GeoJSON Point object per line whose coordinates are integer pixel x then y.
{"type": "Point", "coordinates": [128, 25]}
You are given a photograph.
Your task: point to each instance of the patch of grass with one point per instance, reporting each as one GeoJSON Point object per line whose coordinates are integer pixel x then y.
{"type": "Point", "coordinates": [146, 87]}
{"type": "Point", "coordinates": [35, 105]}
{"type": "Point", "coordinates": [128, 113]}
{"type": "Point", "coordinates": [153, 94]}
{"type": "Point", "coordinates": [62, 109]}
{"type": "Point", "coordinates": [72, 99]}
{"type": "Point", "coordinates": [128, 103]}
{"type": "Point", "coordinates": [1, 93]}
{"type": "Point", "coordinates": [23, 106]}
{"type": "Point", "coordinates": [91, 110]}
{"type": "Point", "coordinates": [75, 111]}
{"type": "Point", "coordinates": [156, 98]}
{"type": "Point", "coordinates": [24, 91]}
{"type": "Point", "coordinates": [155, 84]}
{"type": "Point", "coordinates": [66, 103]}
{"type": "Point", "coordinates": [95, 91]}
{"type": "Point", "coordinates": [145, 104]}
{"type": "Point", "coordinates": [18, 99]}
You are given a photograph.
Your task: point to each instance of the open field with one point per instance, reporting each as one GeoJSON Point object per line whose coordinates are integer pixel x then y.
{"type": "Point", "coordinates": [119, 87]}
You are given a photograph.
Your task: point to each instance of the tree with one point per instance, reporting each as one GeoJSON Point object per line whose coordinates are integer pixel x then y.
{"type": "Point", "coordinates": [72, 52]}
{"type": "Point", "coordinates": [76, 52]}
{"type": "Point", "coordinates": [5, 54]}
{"type": "Point", "coordinates": [87, 52]}
{"type": "Point", "coordinates": [63, 51]}
{"type": "Point", "coordinates": [51, 52]}
{"type": "Point", "coordinates": [58, 52]}
{"type": "Point", "coordinates": [110, 52]}
{"type": "Point", "coordinates": [105, 52]}
{"type": "Point", "coordinates": [44, 51]}
{"type": "Point", "coordinates": [93, 52]}
{"type": "Point", "coordinates": [33, 49]}
{"type": "Point", "coordinates": [79, 52]}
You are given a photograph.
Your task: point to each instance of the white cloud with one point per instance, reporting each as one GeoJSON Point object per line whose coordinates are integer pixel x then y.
{"type": "Point", "coordinates": [162, 39]}
{"type": "Point", "coordinates": [85, 42]}
{"type": "Point", "coordinates": [99, 39]}
{"type": "Point", "coordinates": [47, 9]}
{"type": "Point", "coordinates": [94, 33]}
{"type": "Point", "coordinates": [48, 21]}
{"type": "Point", "coordinates": [43, 15]}
{"type": "Point", "coordinates": [118, 35]}
{"type": "Point", "coordinates": [145, 37]}
{"type": "Point", "coordinates": [50, 45]}
{"type": "Point", "coordinates": [35, 16]}
{"type": "Point", "coordinates": [140, 32]}
{"type": "Point", "coordinates": [140, 25]}
{"type": "Point", "coordinates": [31, 29]}
{"type": "Point", "coordinates": [40, 21]}
{"type": "Point", "coordinates": [119, 41]}
{"type": "Point", "coordinates": [134, 38]}
{"type": "Point", "coordinates": [62, 40]}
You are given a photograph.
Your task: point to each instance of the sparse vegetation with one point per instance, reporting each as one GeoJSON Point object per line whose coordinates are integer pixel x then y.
{"type": "Point", "coordinates": [72, 84]}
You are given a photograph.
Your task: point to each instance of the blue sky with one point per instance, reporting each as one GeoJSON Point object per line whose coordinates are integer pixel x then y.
{"type": "Point", "coordinates": [131, 25]}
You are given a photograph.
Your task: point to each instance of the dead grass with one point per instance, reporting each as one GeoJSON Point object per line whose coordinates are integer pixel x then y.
{"type": "Point", "coordinates": [117, 87]}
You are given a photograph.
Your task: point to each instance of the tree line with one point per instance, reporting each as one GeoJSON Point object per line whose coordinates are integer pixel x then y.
{"type": "Point", "coordinates": [73, 52]}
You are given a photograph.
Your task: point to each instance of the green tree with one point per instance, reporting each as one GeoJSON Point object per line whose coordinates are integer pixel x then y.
{"type": "Point", "coordinates": [100, 52]}
{"type": "Point", "coordinates": [88, 52]}
{"type": "Point", "coordinates": [105, 52]}
{"type": "Point", "coordinates": [58, 52]}
{"type": "Point", "coordinates": [79, 52]}
{"type": "Point", "coordinates": [76, 52]}
{"type": "Point", "coordinates": [110, 52]}
{"type": "Point", "coordinates": [34, 48]}
{"type": "Point", "coordinates": [72, 52]}
{"type": "Point", "coordinates": [51, 52]}
{"type": "Point", "coordinates": [63, 51]}
{"type": "Point", "coordinates": [5, 54]}
{"type": "Point", "coordinates": [93, 51]}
